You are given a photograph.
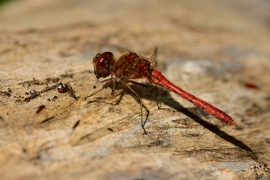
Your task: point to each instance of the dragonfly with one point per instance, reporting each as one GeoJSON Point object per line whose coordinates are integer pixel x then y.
{"type": "Point", "coordinates": [130, 67]}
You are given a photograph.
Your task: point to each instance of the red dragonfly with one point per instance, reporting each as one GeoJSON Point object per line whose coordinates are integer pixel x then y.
{"type": "Point", "coordinates": [131, 66]}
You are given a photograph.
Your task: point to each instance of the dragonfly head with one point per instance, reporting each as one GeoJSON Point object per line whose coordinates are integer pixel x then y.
{"type": "Point", "coordinates": [102, 64]}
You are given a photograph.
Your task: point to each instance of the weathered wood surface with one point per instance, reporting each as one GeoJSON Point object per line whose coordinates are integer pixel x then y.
{"type": "Point", "coordinates": [210, 48]}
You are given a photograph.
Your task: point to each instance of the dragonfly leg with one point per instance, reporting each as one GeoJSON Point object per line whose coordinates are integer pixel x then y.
{"type": "Point", "coordinates": [113, 88]}
{"type": "Point", "coordinates": [103, 87]}
{"type": "Point", "coordinates": [143, 122]}
{"type": "Point", "coordinates": [156, 97]}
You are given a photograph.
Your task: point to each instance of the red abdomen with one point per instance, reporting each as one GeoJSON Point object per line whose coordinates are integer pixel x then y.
{"type": "Point", "coordinates": [159, 79]}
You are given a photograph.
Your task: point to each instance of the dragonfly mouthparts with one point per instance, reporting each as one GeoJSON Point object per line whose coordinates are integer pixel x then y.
{"type": "Point", "coordinates": [96, 74]}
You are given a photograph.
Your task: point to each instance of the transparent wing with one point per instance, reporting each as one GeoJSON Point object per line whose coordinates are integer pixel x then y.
{"type": "Point", "coordinates": [152, 58]}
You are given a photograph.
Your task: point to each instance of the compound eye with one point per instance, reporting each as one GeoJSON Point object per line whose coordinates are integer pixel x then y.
{"type": "Point", "coordinates": [102, 64]}
{"type": "Point", "coordinates": [105, 59]}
